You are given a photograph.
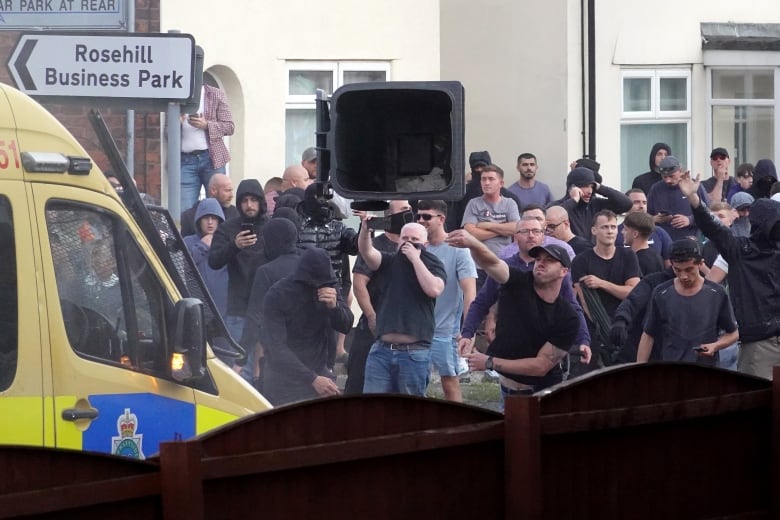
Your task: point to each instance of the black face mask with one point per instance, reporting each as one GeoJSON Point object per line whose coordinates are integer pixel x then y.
{"type": "Point", "coordinates": [319, 211]}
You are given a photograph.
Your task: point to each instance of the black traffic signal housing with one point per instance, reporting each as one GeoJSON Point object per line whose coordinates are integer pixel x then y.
{"type": "Point", "coordinates": [397, 140]}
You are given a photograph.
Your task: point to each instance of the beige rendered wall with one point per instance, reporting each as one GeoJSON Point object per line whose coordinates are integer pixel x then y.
{"type": "Point", "coordinates": [635, 33]}
{"type": "Point", "coordinates": [520, 64]}
{"type": "Point", "coordinates": [248, 42]}
{"type": "Point", "coordinates": [512, 59]}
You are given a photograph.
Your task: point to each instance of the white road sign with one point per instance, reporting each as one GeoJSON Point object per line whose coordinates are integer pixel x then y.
{"type": "Point", "coordinates": [145, 66]}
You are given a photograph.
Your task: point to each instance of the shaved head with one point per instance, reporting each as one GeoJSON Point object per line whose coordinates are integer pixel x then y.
{"type": "Point", "coordinates": [295, 176]}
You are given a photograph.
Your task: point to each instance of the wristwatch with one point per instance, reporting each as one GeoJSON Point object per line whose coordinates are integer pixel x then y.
{"type": "Point", "coordinates": [489, 363]}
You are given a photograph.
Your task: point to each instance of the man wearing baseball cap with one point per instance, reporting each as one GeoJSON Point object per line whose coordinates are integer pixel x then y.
{"type": "Point", "coordinates": [530, 307]}
{"type": "Point", "coordinates": [718, 186]}
{"type": "Point", "coordinates": [667, 204]}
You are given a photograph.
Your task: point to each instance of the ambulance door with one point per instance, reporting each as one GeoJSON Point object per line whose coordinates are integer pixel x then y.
{"type": "Point", "coordinates": [21, 323]}
{"type": "Point", "coordinates": [109, 314]}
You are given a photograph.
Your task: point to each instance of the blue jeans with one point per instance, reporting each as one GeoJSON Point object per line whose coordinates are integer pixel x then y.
{"type": "Point", "coordinates": [395, 371]}
{"type": "Point", "coordinates": [196, 171]}
{"type": "Point", "coordinates": [728, 357]}
{"type": "Point", "coordinates": [444, 355]}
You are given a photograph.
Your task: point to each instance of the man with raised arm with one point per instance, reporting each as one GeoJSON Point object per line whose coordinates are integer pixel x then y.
{"type": "Point", "coordinates": [535, 326]}
{"type": "Point", "coordinates": [400, 357]}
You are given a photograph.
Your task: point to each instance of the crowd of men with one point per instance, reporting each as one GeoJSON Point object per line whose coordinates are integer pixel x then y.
{"type": "Point", "coordinates": [675, 269]}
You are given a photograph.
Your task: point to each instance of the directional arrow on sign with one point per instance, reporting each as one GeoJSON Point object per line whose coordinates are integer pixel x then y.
{"type": "Point", "coordinates": [20, 65]}
{"type": "Point", "coordinates": [142, 66]}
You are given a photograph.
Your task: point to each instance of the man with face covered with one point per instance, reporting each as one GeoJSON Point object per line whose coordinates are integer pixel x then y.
{"type": "Point", "coordinates": [754, 283]}
{"type": "Point", "coordinates": [298, 313]}
{"type": "Point", "coordinates": [646, 180]}
{"type": "Point", "coordinates": [368, 288]}
{"type": "Point", "coordinates": [583, 203]}
{"type": "Point", "coordinates": [319, 228]}
{"type": "Point", "coordinates": [400, 357]}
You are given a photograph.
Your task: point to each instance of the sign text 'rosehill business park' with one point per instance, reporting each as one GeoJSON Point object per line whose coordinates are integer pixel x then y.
{"type": "Point", "coordinates": [148, 66]}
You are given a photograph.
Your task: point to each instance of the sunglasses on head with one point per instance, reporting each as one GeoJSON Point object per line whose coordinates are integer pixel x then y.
{"type": "Point", "coordinates": [425, 216]}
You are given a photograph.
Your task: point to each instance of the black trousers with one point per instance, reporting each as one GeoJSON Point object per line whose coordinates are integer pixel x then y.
{"type": "Point", "coordinates": [358, 354]}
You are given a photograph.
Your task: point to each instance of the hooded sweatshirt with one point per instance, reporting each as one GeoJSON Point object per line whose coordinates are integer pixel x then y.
{"type": "Point", "coordinates": [296, 328]}
{"type": "Point", "coordinates": [241, 263]}
{"type": "Point", "coordinates": [764, 175]}
{"type": "Point", "coordinates": [581, 212]}
{"type": "Point", "coordinates": [216, 280]}
{"type": "Point", "coordinates": [646, 180]}
{"type": "Point", "coordinates": [754, 268]}
{"type": "Point", "coordinates": [281, 249]}
{"type": "Point", "coordinates": [188, 218]}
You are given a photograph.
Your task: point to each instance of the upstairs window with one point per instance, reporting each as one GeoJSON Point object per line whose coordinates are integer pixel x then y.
{"type": "Point", "coordinates": [655, 107]}
{"type": "Point", "coordinates": [303, 80]}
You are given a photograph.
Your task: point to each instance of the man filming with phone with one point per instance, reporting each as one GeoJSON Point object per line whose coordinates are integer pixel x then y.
{"type": "Point", "coordinates": [203, 151]}
{"type": "Point", "coordinates": [238, 244]}
{"type": "Point", "coordinates": [399, 360]}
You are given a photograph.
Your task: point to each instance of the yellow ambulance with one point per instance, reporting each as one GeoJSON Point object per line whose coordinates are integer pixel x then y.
{"type": "Point", "coordinates": [99, 350]}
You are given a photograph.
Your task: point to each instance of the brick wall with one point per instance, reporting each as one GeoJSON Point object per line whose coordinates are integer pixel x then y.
{"type": "Point", "coordinates": [74, 115]}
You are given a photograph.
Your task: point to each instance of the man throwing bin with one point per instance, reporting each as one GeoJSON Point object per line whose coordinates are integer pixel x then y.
{"type": "Point", "coordinates": [535, 326]}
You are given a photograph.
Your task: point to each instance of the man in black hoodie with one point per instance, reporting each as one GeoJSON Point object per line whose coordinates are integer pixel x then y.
{"type": "Point", "coordinates": [583, 204]}
{"type": "Point", "coordinates": [646, 180]}
{"type": "Point", "coordinates": [764, 176]}
{"type": "Point", "coordinates": [238, 244]}
{"type": "Point", "coordinates": [298, 313]}
{"type": "Point", "coordinates": [754, 282]}
{"type": "Point", "coordinates": [280, 236]}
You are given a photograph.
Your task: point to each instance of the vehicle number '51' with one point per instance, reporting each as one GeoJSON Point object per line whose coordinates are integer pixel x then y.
{"type": "Point", "coordinates": [8, 151]}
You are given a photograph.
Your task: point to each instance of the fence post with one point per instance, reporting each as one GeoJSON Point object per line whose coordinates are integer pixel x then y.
{"type": "Point", "coordinates": [522, 458]}
{"type": "Point", "coordinates": [775, 447]}
{"type": "Point", "coordinates": [181, 480]}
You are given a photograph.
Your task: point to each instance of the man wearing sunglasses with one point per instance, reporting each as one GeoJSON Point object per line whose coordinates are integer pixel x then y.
{"type": "Point", "coordinates": [719, 185]}
{"type": "Point", "coordinates": [454, 301]}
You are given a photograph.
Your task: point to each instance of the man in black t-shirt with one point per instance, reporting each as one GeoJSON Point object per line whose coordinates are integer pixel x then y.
{"type": "Point", "coordinates": [605, 275]}
{"type": "Point", "coordinates": [367, 287]}
{"type": "Point", "coordinates": [399, 360]}
{"type": "Point", "coordinates": [637, 228]}
{"type": "Point", "coordinates": [535, 326]}
{"type": "Point", "coordinates": [688, 313]}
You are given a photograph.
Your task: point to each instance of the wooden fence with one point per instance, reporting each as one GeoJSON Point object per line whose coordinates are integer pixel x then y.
{"type": "Point", "coordinates": [636, 441]}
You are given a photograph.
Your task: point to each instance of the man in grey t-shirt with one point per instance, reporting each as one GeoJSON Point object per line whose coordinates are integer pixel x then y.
{"type": "Point", "coordinates": [491, 218]}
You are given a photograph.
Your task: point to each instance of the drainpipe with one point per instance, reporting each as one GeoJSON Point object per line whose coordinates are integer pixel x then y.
{"type": "Point", "coordinates": [130, 115]}
{"type": "Point", "coordinates": [583, 83]}
{"type": "Point", "coordinates": [592, 79]}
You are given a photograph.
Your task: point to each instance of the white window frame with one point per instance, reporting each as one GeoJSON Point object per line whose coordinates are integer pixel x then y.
{"type": "Point", "coordinates": [655, 76]}
{"type": "Point", "coordinates": [337, 69]}
{"type": "Point", "coordinates": [748, 60]}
